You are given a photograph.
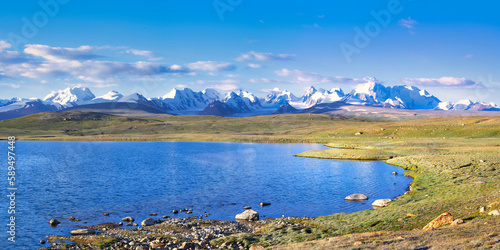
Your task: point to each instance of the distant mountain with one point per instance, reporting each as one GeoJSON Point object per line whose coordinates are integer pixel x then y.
{"type": "Point", "coordinates": [186, 99]}
{"type": "Point", "coordinates": [69, 97]}
{"type": "Point", "coordinates": [285, 109]}
{"type": "Point", "coordinates": [239, 103]}
{"type": "Point", "coordinates": [242, 101]}
{"type": "Point", "coordinates": [276, 98]}
{"type": "Point", "coordinates": [374, 93]}
{"type": "Point", "coordinates": [111, 96]}
{"type": "Point", "coordinates": [468, 105]}
{"type": "Point", "coordinates": [24, 107]}
{"type": "Point", "coordinates": [219, 108]}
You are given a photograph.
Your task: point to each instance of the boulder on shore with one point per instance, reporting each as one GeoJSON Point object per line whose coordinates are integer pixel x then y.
{"type": "Point", "coordinates": [356, 197]}
{"type": "Point", "coordinates": [248, 215]}
{"type": "Point", "coordinates": [82, 232]}
{"type": "Point", "coordinates": [381, 203]}
{"type": "Point", "coordinates": [128, 219]}
{"type": "Point", "coordinates": [442, 219]}
{"type": "Point", "coordinates": [494, 212]}
{"type": "Point", "coordinates": [147, 222]}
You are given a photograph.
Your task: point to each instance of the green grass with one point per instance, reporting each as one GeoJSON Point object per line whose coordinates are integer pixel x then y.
{"type": "Point", "coordinates": [455, 161]}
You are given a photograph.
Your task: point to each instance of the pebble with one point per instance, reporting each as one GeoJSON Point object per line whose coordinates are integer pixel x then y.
{"type": "Point", "coordinates": [153, 214]}
{"type": "Point", "coordinates": [247, 207]}
{"type": "Point", "coordinates": [175, 211]}
{"type": "Point", "coordinates": [262, 204]}
{"type": "Point", "coordinates": [105, 214]}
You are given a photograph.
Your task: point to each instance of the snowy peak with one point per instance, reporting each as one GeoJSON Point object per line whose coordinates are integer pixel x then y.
{"type": "Point", "coordinates": [375, 93]}
{"type": "Point", "coordinates": [277, 98]}
{"type": "Point", "coordinates": [70, 96]}
{"type": "Point", "coordinates": [187, 99]}
{"type": "Point", "coordinates": [468, 105]}
{"type": "Point", "coordinates": [313, 96]}
{"type": "Point", "coordinates": [111, 96]}
{"type": "Point", "coordinates": [242, 101]}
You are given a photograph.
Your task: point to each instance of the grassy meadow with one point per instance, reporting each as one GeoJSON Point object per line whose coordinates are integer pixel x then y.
{"type": "Point", "coordinates": [455, 163]}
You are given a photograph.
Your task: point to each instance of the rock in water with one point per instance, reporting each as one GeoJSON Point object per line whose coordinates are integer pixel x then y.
{"type": "Point", "coordinates": [54, 222]}
{"type": "Point", "coordinates": [147, 222]}
{"type": "Point", "coordinates": [82, 232]}
{"type": "Point", "coordinates": [381, 203]}
{"type": "Point", "coordinates": [247, 207]}
{"type": "Point", "coordinates": [128, 219]}
{"type": "Point", "coordinates": [262, 204]}
{"type": "Point", "coordinates": [356, 197]}
{"type": "Point", "coordinates": [394, 173]}
{"type": "Point", "coordinates": [248, 215]}
{"type": "Point", "coordinates": [442, 219]}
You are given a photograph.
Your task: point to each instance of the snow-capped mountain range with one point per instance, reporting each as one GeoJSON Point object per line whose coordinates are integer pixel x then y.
{"type": "Point", "coordinates": [210, 101]}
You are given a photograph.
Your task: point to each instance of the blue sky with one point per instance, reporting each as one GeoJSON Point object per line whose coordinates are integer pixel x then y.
{"type": "Point", "coordinates": [449, 48]}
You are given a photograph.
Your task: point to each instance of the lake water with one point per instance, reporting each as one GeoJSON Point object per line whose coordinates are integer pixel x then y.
{"type": "Point", "coordinates": [87, 179]}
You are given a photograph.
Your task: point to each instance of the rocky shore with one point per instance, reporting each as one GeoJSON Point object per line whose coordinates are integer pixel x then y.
{"type": "Point", "coordinates": [169, 233]}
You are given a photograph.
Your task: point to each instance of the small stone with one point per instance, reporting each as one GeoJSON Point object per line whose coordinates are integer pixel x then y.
{"type": "Point", "coordinates": [189, 212]}
{"type": "Point", "coordinates": [175, 211]}
{"type": "Point", "coordinates": [256, 247]}
{"type": "Point", "coordinates": [356, 197]}
{"type": "Point", "coordinates": [381, 203]}
{"type": "Point", "coordinates": [247, 207]}
{"type": "Point", "coordinates": [249, 215]}
{"type": "Point", "coordinates": [128, 219]}
{"type": "Point", "coordinates": [131, 225]}
{"type": "Point", "coordinates": [165, 216]}
{"type": "Point", "coordinates": [153, 214]}
{"type": "Point", "coordinates": [482, 209]}
{"type": "Point", "coordinates": [442, 219]}
{"type": "Point", "coordinates": [359, 133]}
{"type": "Point", "coordinates": [105, 214]}
{"type": "Point", "coordinates": [394, 173]}
{"type": "Point", "coordinates": [42, 242]}
{"type": "Point", "coordinates": [481, 161]}
{"type": "Point", "coordinates": [73, 219]}
{"type": "Point", "coordinates": [263, 204]}
{"type": "Point", "coordinates": [147, 222]}
{"type": "Point", "coordinates": [82, 232]}
{"type": "Point", "coordinates": [54, 222]}
{"type": "Point", "coordinates": [456, 222]}
{"type": "Point", "coordinates": [494, 212]}
{"type": "Point", "coordinates": [119, 224]}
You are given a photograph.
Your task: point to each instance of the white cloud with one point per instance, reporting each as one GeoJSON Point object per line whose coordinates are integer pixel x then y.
{"type": "Point", "coordinates": [101, 86]}
{"type": "Point", "coordinates": [145, 53]}
{"type": "Point", "coordinates": [445, 81]}
{"type": "Point", "coordinates": [311, 77]}
{"type": "Point", "coordinates": [408, 23]}
{"type": "Point", "coordinates": [260, 56]}
{"type": "Point", "coordinates": [59, 54]}
{"type": "Point", "coordinates": [211, 66]}
{"type": "Point", "coordinates": [12, 85]}
{"type": "Point", "coordinates": [226, 81]}
{"type": "Point", "coordinates": [5, 45]}
{"type": "Point", "coordinates": [181, 86]}
{"type": "Point", "coordinates": [255, 65]}
{"type": "Point", "coordinates": [232, 75]}
{"type": "Point", "coordinates": [224, 87]}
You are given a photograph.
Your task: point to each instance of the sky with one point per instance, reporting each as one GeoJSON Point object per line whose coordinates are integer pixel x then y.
{"type": "Point", "coordinates": [449, 48]}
